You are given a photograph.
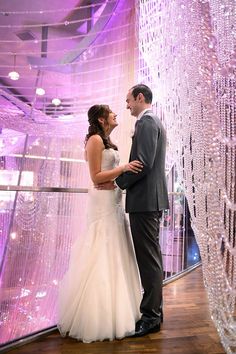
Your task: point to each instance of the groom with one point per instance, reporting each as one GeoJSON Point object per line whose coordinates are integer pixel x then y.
{"type": "Point", "coordinates": [146, 198]}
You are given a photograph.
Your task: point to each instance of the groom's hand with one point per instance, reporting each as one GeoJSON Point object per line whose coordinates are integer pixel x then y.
{"type": "Point", "coordinates": [106, 186]}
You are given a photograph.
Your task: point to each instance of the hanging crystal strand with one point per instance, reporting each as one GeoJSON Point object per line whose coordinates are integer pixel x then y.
{"type": "Point", "coordinates": [188, 62]}
{"type": "Point", "coordinates": [224, 18]}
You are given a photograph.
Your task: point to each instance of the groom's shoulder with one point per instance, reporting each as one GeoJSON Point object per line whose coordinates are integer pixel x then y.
{"type": "Point", "coordinates": [153, 116]}
{"type": "Point", "coordinates": [150, 115]}
{"type": "Point", "coordinates": [150, 118]}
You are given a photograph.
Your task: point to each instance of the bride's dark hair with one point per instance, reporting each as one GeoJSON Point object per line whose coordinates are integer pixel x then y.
{"type": "Point", "coordinates": [94, 113]}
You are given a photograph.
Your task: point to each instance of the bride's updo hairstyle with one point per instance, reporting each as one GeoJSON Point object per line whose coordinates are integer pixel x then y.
{"type": "Point", "coordinates": [94, 113]}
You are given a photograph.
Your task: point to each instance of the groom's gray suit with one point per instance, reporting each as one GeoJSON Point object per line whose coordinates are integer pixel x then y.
{"type": "Point", "coordinates": [146, 197]}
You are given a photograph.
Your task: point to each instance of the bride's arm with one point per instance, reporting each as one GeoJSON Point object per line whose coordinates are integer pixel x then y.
{"type": "Point", "coordinates": [94, 148]}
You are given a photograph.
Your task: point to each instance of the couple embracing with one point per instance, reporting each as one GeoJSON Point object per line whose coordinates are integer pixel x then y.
{"type": "Point", "coordinates": [101, 294]}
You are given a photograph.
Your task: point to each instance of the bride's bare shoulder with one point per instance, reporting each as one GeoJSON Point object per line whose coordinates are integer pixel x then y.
{"type": "Point", "coordinates": [94, 139]}
{"type": "Point", "coordinates": [94, 145]}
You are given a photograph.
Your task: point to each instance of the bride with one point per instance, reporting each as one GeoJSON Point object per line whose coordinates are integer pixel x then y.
{"type": "Point", "coordinates": [100, 294]}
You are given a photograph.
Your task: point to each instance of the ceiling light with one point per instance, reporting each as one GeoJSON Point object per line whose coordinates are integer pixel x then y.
{"type": "Point", "coordinates": [14, 75]}
{"type": "Point", "coordinates": [56, 101]}
{"type": "Point", "coordinates": [40, 91]}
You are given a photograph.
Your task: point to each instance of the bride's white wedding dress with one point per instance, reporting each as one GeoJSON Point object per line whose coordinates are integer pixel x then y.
{"type": "Point", "coordinates": [100, 294]}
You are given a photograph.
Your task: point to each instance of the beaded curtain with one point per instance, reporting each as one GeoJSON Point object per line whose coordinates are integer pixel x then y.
{"type": "Point", "coordinates": [188, 56]}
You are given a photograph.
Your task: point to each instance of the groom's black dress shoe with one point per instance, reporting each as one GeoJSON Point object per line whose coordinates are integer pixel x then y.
{"type": "Point", "coordinates": [142, 328]}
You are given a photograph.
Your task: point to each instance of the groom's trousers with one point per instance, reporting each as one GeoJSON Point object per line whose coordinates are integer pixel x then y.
{"type": "Point", "coordinates": [145, 233]}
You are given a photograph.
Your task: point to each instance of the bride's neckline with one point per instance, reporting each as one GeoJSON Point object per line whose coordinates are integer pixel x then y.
{"type": "Point", "coordinates": [85, 153]}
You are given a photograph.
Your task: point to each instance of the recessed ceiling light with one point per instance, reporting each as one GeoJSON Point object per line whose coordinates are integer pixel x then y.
{"type": "Point", "coordinates": [40, 91]}
{"type": "Point", "coordinates": [14, 75]}
{"type": "Point", "coordinates": [56, 101]}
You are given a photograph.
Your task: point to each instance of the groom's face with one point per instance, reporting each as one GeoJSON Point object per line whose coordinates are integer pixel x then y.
{"type": "Point", "coordinates": [132, 104]}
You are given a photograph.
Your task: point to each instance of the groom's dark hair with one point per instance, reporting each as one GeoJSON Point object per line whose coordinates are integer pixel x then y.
{"type": "Point", "coordinates": [144, 89]}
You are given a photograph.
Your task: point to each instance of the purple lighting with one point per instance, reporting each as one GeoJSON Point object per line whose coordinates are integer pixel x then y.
{"type": "Point", "coordinates": [91, 57]}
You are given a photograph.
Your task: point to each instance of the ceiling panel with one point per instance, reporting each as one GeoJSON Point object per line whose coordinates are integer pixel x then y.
{"type": "Point", "coordinates": [62, 25]}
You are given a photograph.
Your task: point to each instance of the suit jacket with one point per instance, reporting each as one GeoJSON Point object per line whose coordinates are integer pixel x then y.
{"type": "Point", "coordinates": [147, 190]}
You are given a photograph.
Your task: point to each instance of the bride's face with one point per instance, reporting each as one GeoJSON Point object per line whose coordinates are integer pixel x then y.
{"type": "Point", "coordinates": [111, 120]}
{"type": "Point", "coordinates": [109, 123]}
